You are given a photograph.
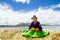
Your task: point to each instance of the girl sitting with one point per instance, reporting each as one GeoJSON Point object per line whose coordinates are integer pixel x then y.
{"type": "Point", "coordinates": [35, 25]}
{"type": "Point", "coordinates": [35, 29]}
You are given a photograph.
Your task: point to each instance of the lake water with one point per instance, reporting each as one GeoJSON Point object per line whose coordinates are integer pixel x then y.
{"type": "Point", "coordinates": [53, 28]}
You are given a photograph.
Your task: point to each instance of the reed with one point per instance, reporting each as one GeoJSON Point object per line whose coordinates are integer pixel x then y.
{"type": "Point", "coordinates": [15, 34]}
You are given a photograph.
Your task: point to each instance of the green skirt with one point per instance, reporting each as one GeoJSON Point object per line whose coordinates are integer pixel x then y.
{"type": "Point", "coordinates": [34, 33]}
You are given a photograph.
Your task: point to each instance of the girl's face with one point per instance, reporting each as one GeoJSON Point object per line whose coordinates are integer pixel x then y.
{"type": "Point", "coordinates": [34, 19]}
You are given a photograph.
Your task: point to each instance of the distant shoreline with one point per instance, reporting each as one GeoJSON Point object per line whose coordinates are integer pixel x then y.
{"type": "Point", "coordinates": [25, 24]}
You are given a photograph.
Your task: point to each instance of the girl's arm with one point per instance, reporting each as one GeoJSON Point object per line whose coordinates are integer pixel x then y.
{"type": "Point", "coordinates": [40, 27]}
{"type": "Point", "coordinates": [30, 26]}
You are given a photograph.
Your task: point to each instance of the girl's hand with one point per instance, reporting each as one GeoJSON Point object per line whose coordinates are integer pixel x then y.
{"type": "Point", "coordinates": [37, 29]}
{"type": "Point", "coordinates": [32, 28]}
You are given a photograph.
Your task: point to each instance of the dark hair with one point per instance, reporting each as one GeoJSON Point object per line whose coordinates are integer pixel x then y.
{"type": "Point", "coordinates": [34, 16]}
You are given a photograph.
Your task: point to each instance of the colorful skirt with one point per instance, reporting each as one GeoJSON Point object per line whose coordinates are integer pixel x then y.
{"type": "Point", "coordinates": [33, 33]}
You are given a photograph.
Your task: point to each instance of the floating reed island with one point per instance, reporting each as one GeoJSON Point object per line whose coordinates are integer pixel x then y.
{"type": "Point", "coordinates": [15, 34]}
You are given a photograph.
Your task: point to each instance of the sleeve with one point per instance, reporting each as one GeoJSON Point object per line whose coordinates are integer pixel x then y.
{"type": "Point", "coordinates": [40, 26]}
{"type": "Point", "coordinates": [30, 25]}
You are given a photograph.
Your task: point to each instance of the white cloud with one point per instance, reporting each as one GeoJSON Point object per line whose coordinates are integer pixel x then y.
{"type": "Point", "coordinates": [23, 1]}
{"type": "Point", "coordinates": [9, 16]}
{"type": "Point", "coordinates": [49, 16]}
{"type": "Point", "coordinates": [59, 5]}
{"type": "Point", "coordinates": [55, 6]}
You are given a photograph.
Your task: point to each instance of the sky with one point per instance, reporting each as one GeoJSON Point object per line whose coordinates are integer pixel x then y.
{"type": "Point", "coordinates": [13, 12]}
{"type": "Point", "coordinates": [29, 5]}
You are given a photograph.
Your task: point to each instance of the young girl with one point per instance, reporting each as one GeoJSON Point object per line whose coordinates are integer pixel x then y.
{"type": "Point", "coordinates": [35, 29]}
{"type": "Point", "coordinates": [35, 25]}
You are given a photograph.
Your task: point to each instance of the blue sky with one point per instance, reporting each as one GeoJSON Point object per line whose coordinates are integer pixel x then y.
{"type": "Point", "coordinates": [21, 11]}
{"type": "Point", "coordinates": [33, 4]}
